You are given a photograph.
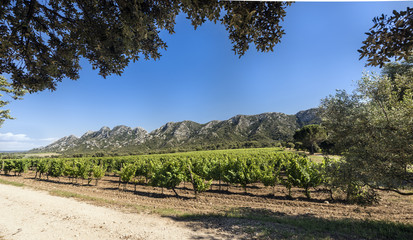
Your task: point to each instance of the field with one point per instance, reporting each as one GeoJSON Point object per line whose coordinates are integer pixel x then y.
{"type": "Point", "coordinates": [252, 211]}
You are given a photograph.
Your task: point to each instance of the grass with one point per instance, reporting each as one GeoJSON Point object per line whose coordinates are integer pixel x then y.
{"type": "Point", "coordinates": [68, 194]}
{"type": "Point", "coordinates": [37, 155]}
{"type": "Point", "coordinates": [307, 227]}
{"type": "Point", "coordinates": [318, 158]}
{"type": "Point", "coordinates": [228, 151]}
{"type": "Point", "coordinates": [16, 184]}
{"type": "Point", "coordinates": [167, 212]}
{"type": "Point", "coordinates": [101, 201]}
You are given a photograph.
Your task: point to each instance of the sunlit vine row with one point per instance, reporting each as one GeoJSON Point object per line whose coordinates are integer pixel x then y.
{"type": "Point", "coordinates": [270, 167]}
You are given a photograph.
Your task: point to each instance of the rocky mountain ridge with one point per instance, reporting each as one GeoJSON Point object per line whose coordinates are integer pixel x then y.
{"type": "Point", "coordinates": [265, 127]}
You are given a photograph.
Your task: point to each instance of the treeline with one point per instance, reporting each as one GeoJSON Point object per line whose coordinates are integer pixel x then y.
{"type": "Point", "coordinates": [270, 167]}
{"type": "Point", "coordinates": [259, 143]}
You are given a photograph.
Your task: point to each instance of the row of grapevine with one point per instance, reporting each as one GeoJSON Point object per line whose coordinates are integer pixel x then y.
{"type": "Point", "coordinates": [240, 168]}
{"type": "Point", "coordinates": [73, 169]}
{"type": "Point", "coordinates": [16, 166]}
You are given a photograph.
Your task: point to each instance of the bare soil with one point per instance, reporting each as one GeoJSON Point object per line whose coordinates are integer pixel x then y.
{"type": "Point", "coordinates": [29, 214]}
{"type": "Point", "coordinates": [146, 199]}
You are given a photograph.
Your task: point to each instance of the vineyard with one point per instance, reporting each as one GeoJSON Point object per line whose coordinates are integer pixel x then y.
{"type": "Point", "coordinates": [216, 188]}
{"type": "Point", "coordinates": [269, 166]}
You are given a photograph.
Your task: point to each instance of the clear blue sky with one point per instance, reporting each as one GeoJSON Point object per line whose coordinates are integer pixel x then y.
{"type": "Point", "coordinates": [199, 78]}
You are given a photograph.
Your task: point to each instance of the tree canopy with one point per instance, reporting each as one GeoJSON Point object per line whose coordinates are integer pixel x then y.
{"type": "Point", "coordinates": [310, 136]}
{"type": "Point", "coordinates": [6, 87]}
{"type": "Point", "coordinates": [43, 41]}
{"type": "Point", "coordinates": [390, 37]}
{"type": "Point", "coordinates": [373, 128]}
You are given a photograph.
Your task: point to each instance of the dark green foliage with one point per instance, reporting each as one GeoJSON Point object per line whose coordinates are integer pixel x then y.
{"type": "Point", "coordinates": [98, 154]}
{"type": "Point", "coordinates": [327, 147]}
{"type": "Point", "coordinates": [144, 168]}
{"type": "Point", "coordinates": [236, 167]}
{"type": "Point", "coordinates": [373, 128]}
{"type": "Point", "coordinates": [201, 167]}
{"type": "Point", "coordinates": [84, 170]}
{"type": "Point", "coordinates": [127, 173]}
{"type": "Point", "coordinates": [299, 146]}
{"type": "Point", "coordinates": [339, 175]}
{"type": "Point", "coordinates": [300, 172]}
{"type": "Point", "coordinates": [98, 172]}
{"type": "Point", "coordinates": [310, 136]}
{"type": "Point", "coordinates": [199, 184]}
{"type": "Point", "coordinates": [56, 168]}
{"type": "Point", "coordinates": [71, 169]}
{"type": "Point", "coordinates": [21, 166]}
{"type": "Point", "coordinates": [310, 176]}
{"type": "Point", "coordinates": [8, 166]}
{"type": "Point", "coordinates": [290, 145]}
{"type": "Point", "coordinates": [110, 164]}
{"type": "Point", "coordinates": [270, 172]}
{"type": "Point", "coordinates": [391, 38]}
{"type": "Point", "coordinates": [169, 175]}
{"type": "Point", "coordinates": [43, 41]}
{"type": "Point", "coordinates": [242, 170]}
{"type": "Point", "coordinates": [7, 88]}
{"type": "Point", "coordinates": [42, 167]}
{"type": "Point", "coordinates": [394, 69]}
{"type": "Point", "coordinates": [217, 169]}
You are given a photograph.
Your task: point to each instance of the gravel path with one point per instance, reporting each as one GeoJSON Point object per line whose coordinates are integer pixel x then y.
{"type": "Point", "coordinates": [30, 214]}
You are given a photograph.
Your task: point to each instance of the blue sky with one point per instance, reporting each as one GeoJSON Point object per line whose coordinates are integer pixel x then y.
{"type": "Point", "coordinates": [199, 78]}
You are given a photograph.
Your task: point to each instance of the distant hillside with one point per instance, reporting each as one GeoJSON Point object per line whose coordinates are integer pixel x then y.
{"type": "Point", "coordinates": [261, 129]}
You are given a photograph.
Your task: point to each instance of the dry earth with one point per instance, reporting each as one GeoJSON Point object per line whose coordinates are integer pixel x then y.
{"type": "Point", "coordinates": [29, 214]}
{"type": "Point", "coordinates": [135, 213]}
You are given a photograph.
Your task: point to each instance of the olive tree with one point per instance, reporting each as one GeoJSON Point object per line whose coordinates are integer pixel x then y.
{"type": "Point", "coordinates": [373, 129]}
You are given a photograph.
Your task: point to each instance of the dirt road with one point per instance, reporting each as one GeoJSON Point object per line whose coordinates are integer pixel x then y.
{"type": "Point", "coordinates": [30, 214]}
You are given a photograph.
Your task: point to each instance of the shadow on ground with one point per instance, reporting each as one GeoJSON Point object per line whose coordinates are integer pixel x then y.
{"type": "Point", "coordinates": [250, 223]}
